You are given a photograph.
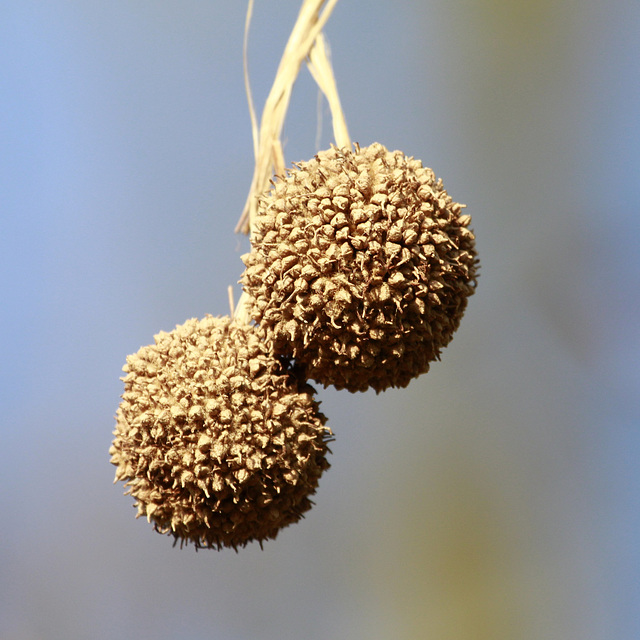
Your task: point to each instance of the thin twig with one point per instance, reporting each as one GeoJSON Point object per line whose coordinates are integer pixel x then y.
{"type": "Point", "coordinates": [247, 83]}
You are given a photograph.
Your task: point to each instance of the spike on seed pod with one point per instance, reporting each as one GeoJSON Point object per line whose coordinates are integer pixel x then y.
{"type": "Point", "coordinates": [222, 458]}
{"type": "Point", "coordinates": [387, 238]}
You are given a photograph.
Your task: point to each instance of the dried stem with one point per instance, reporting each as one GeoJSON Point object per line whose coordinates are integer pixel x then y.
{"type": "Point", "coordinates": [305, 42]}
{"type": "Point", "coordinates": [320, 67]}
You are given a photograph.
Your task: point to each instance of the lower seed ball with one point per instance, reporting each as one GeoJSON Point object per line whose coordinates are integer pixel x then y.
{"type": "Point", "coordinates": [360, 268]}
{"type": "Point", "coordinates": [218, 443]}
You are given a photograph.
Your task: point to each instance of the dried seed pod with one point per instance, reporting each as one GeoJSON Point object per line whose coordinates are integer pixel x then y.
{"type": "Point", "coordinates": [388, 259]}
{"type": "Point", "coordinates": [217, 441]}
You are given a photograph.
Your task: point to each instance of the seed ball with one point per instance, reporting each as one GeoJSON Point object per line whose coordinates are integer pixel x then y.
{"type": "Point", "coordinates": [218, 442]}
{"type": "Point", "coordinates": [360, 267]}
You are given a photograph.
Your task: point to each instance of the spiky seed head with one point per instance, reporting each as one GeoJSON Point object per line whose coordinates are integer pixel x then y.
{"type": "Point", "coordinates": [218, 443]}
{"type": "Point", "coordinates": [360, 268]}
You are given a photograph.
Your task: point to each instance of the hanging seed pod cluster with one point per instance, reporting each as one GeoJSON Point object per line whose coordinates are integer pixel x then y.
{"type": "Point", "coordinates": [358, 276]}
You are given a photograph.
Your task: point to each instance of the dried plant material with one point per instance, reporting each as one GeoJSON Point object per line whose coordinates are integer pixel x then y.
{"type": "Point", "coordinates": [217, 441]}
{"type": "Point", "coordinates": [360, 268]}
{"type": "Point", "coordinates": [322, 72]}
{"type": "Point", "coordinates": [305, 39]}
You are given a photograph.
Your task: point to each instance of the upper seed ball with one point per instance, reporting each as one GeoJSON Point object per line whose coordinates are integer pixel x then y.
{"type": "Point", "coordinates": [216, 441]}
{"type": "Point", "coordinates": [360, 268]}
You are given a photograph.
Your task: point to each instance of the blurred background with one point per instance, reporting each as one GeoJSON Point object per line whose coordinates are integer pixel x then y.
{"type": "Point", "coordinates": [498, 496]}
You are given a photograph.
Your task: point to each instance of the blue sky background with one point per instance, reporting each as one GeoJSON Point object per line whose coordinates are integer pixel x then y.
{"type": "Point", "coordinates": [498, 496]}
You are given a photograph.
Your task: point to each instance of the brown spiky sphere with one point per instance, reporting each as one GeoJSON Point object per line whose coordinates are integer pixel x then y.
{"type": "Point", "coordinates": [360, 268]}
{"type": "Point", "coordinates": [216, 440]}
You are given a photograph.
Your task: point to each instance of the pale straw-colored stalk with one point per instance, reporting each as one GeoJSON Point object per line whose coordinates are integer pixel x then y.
{"type": "Point", "coordinates": [306, 42]}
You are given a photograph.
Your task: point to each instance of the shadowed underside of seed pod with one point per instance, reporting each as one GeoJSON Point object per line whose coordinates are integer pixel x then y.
{"type": "Point", "coordinates": [216, 440]}
{"type": "Point", "coordinates": [360, 268]}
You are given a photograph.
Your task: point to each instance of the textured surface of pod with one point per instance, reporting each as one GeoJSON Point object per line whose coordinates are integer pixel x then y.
{"type": "Point", "coordinates": [218, 443]}
{"type": "Point", "coordinates": [379, 264]}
